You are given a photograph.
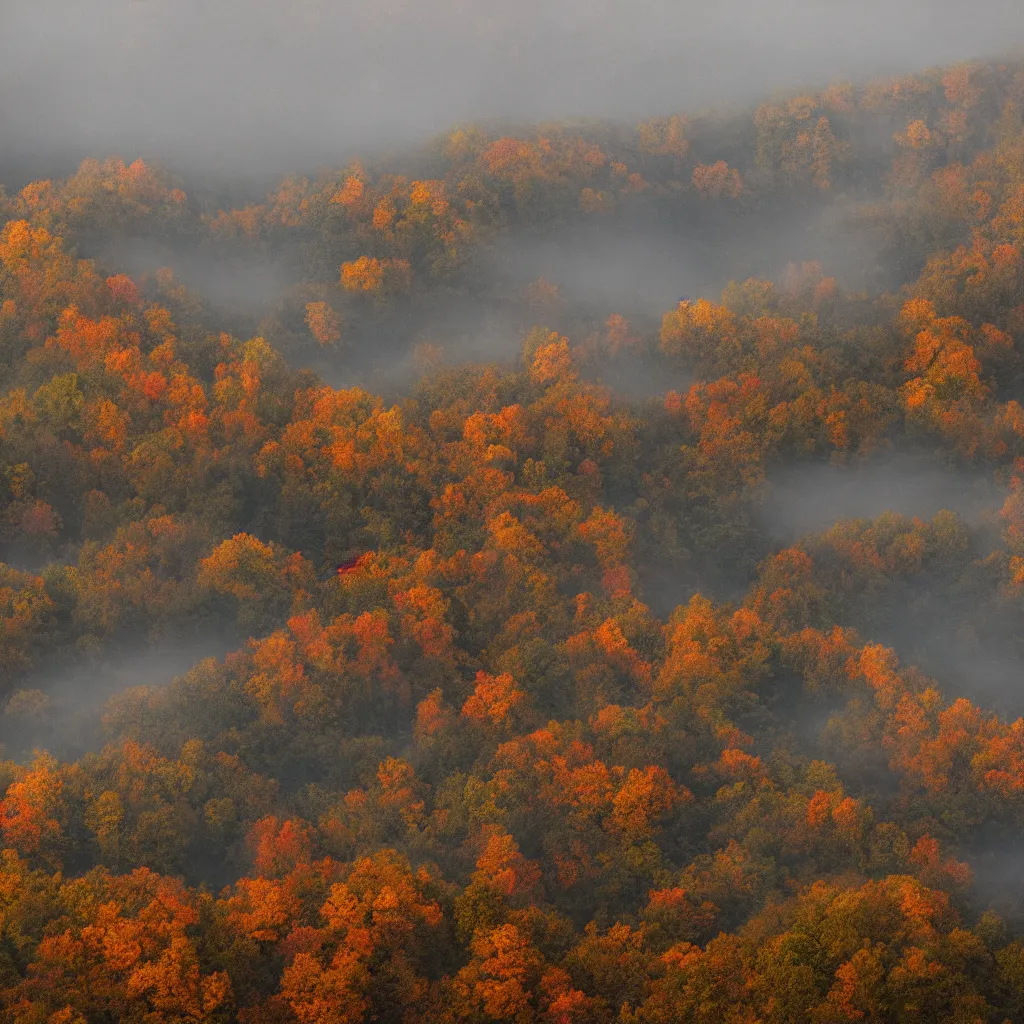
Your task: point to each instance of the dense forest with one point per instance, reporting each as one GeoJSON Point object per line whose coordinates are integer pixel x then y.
{"type": "Point", "coordinates": [413, 611]}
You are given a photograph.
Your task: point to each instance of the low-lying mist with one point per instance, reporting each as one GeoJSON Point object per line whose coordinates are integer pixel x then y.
{"type": "Point", "coordinates": [58, 707]}
{"type": "Point", "coordinates": [240, 283]}
{"type": "Point", "coordinates": [998, 877]}
{"type": "Point", "coordinates": [801, 499]}
{"type": "Point", "coordinates": [635, 263]}
{"type": "Point", "coordinates": [971, 652]}
{"type": "Point", "coordinates": [639, 264]}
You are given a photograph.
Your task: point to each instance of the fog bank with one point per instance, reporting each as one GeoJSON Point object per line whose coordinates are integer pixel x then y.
{"type": "Point", "coordinates": [264, 85]}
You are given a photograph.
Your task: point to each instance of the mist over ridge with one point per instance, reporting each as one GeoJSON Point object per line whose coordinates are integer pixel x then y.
{"type": "Point", "coordinates": [266, 87]}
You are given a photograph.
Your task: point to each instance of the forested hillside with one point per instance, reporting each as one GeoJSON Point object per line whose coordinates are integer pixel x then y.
{"type": "Point", "coordinates": [578, 655]}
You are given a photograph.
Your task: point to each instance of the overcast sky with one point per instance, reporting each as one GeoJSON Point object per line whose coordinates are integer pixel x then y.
{"type": "Point", "coordinates": [269, 84]}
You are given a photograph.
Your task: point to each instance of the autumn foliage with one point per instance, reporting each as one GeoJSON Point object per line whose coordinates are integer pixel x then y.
{"type": "Point", "coordinates": [580, 734]}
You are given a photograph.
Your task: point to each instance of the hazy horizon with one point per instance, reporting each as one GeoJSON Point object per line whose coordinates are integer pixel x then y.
{"type": "Point", "coordinates": [293, 86]}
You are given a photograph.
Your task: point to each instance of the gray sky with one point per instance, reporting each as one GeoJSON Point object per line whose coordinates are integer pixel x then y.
{"type": "Point", "coordinates": [271, 85]}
